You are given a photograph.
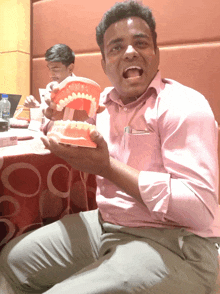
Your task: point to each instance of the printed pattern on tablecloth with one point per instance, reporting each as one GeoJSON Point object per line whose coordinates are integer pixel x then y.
{"type": "Point", "coordinates": [39, 189]}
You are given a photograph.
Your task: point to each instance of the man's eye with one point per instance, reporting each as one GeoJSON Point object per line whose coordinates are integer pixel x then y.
{"type": "Point", "coordinates": [54, 69]}
{"type": "Point", "coordinates": [142, 44]}
{"type": "Point", "coordinates": [116, 48]}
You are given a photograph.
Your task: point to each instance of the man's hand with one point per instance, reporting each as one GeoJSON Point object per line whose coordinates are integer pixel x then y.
{"type": "Point", "coordinates": [97, 161]}
{"type": "Point", "coordinates": [31, 102]}
{"type": "Point", "coordinates": [51, 111]}
{"type": "Point", "coordinates": [90, 160]}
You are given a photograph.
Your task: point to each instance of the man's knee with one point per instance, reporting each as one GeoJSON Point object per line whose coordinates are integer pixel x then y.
{"type": "Point", "coordinates": [135, 265]}
{"type": "Point", "coordinates": [10, 261]}
{"type": "Point", "coordinates": [15, 263]}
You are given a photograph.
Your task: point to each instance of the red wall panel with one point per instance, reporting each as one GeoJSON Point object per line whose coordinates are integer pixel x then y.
{"type": "Point", "coordinates": [188, 37]}
{"type": "Point", "coordinates": [197, 66]}
{"type": "Point", "coordinates": [74, 22]}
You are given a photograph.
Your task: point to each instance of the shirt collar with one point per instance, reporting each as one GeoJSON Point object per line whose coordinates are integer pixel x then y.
{"type": "Point", "coordinates": [110, 93]}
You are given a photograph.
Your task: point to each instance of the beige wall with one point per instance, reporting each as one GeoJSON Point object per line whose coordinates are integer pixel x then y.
{"type": "Point", "coordinates": [15, 47]}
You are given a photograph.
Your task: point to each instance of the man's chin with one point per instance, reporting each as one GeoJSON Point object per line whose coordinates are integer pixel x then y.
{"type": "Point", "coordinates": [133, 91]}
{"type": "Point", "coordinates": [130, 96]}
{"type": "Point", "coordinates": [56, 80]}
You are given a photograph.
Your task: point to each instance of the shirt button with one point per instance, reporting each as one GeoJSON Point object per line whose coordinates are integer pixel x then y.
{"type": "Point", "coordinates": [125, 109]}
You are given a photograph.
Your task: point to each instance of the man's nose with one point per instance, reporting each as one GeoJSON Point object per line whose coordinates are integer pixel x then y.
{"type": "Point", "coordinates": [52, 76]}
{"type": "Point", "coordinates": [130, 52]}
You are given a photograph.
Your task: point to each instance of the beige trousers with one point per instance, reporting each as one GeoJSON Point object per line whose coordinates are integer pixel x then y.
{"type": "Point", "coordinates": [81, 254]}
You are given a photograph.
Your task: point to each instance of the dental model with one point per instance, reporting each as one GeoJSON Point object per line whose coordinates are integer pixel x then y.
{"type": "Point", "coordinates": [77, 93]}
{"type": "Point", "coordinates": [72, 133]}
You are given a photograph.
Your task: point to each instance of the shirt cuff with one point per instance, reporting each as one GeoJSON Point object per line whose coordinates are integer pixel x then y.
{"type": "Point", "coordinates": [154, 188]}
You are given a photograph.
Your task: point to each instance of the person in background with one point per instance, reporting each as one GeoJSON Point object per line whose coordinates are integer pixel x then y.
{"type": "Point", "coordinates": [156, 163]}
{"type": "Point", "coordinates": [60, 62]}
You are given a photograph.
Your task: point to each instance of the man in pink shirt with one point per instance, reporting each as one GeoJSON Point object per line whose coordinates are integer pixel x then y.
{"type": "Point", "coordinates": [155, 230]}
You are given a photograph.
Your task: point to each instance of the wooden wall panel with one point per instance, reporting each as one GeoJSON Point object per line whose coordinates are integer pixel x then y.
{"type": "Point", "coordinates": [15, 47]}
{"type": "Point", "coordinates": [15, 79]}
{"type": "Point", "coordinates": [15, 26]}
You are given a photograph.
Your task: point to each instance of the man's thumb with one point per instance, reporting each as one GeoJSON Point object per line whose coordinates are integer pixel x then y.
{"type": "Point", "coordinates": [96, 137]}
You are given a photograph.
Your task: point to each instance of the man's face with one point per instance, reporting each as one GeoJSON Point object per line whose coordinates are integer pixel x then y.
{"type": "Point", "coordinates": [59, 71]}
{"type": "Point", "coordinates": [131, 61]}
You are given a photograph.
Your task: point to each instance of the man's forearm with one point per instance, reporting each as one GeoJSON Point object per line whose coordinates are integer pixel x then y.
{"type": "Point", "coordinates": [125, 177]}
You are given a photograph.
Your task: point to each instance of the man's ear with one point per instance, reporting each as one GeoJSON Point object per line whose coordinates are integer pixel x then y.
{"type": "Point", "coordinates": [158, 56]}
{"type": "Point", "coordinates": [103, 65]}
{"type": "Point", "coordinates": [71, 67]}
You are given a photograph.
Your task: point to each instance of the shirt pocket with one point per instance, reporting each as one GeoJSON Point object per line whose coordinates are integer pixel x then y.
{"type": "Point", "coordinates": [142, 150]}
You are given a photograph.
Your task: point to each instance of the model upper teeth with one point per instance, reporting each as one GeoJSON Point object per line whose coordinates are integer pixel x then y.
{"type": "Point", "coordinates": [63, 102]}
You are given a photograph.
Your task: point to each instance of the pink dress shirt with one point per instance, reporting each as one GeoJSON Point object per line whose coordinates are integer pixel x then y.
{"type": "Point", "coordinates": [170, 135]}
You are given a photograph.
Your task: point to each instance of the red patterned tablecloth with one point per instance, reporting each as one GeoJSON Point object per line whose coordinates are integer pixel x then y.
{"type": "Point", "coordinates": [37, 188]}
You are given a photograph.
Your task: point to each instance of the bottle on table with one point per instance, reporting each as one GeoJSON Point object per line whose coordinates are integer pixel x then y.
{"type": "Point", "coordinates": [5, 108]}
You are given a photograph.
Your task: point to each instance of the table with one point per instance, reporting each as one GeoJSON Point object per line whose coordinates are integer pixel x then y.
{"type": "Point", "coordinates": [37, 188]}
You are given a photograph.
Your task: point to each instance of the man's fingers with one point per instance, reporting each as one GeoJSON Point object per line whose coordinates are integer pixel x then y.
{"type": "Point", "coordinates": [100, 109]}
{"type": "Point", "coordinates": [53, 106]}
{"type": "Point", "coordinates": [45, 142]}
{"type": "Point", "coordinates": [31, 102]}
{"type": "Point", "coordinates": [63, 151]}
{"type": "Point", "coordinates": [97, 138]}
{"type": "Point", "coordinates": [48, 112]}
{"type": "Point", "coordinates": [55, 89]}
{"type": "Point", "coordinates": [50, 143]}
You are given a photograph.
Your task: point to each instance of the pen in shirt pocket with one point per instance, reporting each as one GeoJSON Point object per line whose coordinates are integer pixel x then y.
{"type": "Point", "coordinates": [129, 130]}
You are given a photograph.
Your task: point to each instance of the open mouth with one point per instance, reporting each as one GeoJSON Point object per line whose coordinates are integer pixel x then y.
{"type": "Point", "coordinates": [132, 72]}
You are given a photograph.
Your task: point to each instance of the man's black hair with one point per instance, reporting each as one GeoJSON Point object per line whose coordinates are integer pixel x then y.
{"type": "Point", "coordinates": [60, 53]}
{"type": "Point", "coordinates": [123, 10]}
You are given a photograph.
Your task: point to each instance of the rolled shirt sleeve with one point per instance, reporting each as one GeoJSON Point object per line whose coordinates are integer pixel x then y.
{"type": "Point", "coordinates": [187, 194]}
